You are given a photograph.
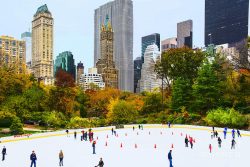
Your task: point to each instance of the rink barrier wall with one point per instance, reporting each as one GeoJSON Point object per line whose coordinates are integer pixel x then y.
{"type": "Point", "coordinates": [149, 126]}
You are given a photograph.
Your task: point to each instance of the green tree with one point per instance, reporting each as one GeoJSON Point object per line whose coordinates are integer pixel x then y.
{"type": "Point", "coordinates": [16, 126]}
{"type": "Point", "coordinates": [181, 94]}
{"type": "Point", "coordinates": [121, 112]}
{"type": "Point", "coordinates": [82, 101]}
{"type": "Point", "coordinates": [152, 103]}
{"type": "Point", "coordinates": [206, 89]}
{"type": "Point", "coordinates": [179, 63]}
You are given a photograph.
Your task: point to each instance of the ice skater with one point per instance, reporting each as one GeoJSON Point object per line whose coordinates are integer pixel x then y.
{"type": "Point", "coordinates": [3, 153]}
{"type": "Point", "coordinates": [191, 142]}
{"type": "Point", "coordinates": [75, 134]}
{"type": "Point", "coordinates": [219, 142]}
{"type": "Point", "coordinates": [61, 156]}
{"type": "Point", "coordinates": [233, 144]}
{"type": "Point", "coordinates": [133, 128]}
{"type": "Point", "coordinates": [216, 134]}
{"type": "Point", "coordinates": [93, 145]}
{"type": "Point", "coordinates": [186, 141]}
{"type": "Point", "coordinates": [233, 133]}
{"type": "Point", "coordinates": [33, 159]}
{"type": "Point", "coordinates": [139, 126]}
{"type": "Point", "coordinates": [67, 131]}
{"type": "Point", "coordinates": [170, 158]}
{"type": "Point", "coordinates": [112, 130]}
{"type": "Point", "coordinates": [101, 163]}
{"type": "Point", "coordinates": [210, 148]}
{"type": "Point", "coordinates": [169, 125]}
{"type": "Point", "coordinates": [238, 132]}
{"type": "Point", "coordinates": [225, 133]}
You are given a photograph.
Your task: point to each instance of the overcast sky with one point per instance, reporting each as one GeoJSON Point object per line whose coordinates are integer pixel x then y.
{"type": "Point", "coordinates": [74, 22]}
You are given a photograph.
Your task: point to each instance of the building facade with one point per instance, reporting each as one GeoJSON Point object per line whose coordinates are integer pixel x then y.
{"type": "Point", "coordinates": [169, 43]}
{"type": "Point", "coordinates": [137, 73]}
{"type": "Point", "coordinates": [185, 34]}
{"type": "Point", "coordinates": [121, 17]}
{"type": "Point", "coordinates": [66, 62]}
{"type": "Point", "coordinates": [149, 81]}
{"type": "Point", "coordinates": [149, 40]}
{"type": "Point", "coordinates": [105, 65]}
{"type": "Point", "coordinates": [42, 45]}
{"type": "Point", "coordinates": [12, 53]}
{"type": "Point", "coordinates": [226, 21]}
{"type": "Point", "coordinates": [79, 72]}
{"type": "Point", "coordinates": [92, 80]}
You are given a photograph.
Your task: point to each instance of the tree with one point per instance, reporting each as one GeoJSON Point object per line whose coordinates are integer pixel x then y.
{"type": "Point", "coordinates": [152, 103]}
{"type": "Point", "coordinates": [121, 112]}
{"type": "Point", "coordinates": [64, 79]}
{"type": "Point", "coordinates": [82, 103]}
{"type": "Point", "coordinates": [16, 126]}
{"type": "Point", "coordinates": [179, 63]}
{"type": "Point", "coordinates": [181, 94]}
{"type": "Point", "coordinates": [206, 89]}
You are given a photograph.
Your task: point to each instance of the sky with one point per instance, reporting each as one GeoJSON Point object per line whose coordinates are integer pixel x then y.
{"type": "Point", "coordinates": [74, 22]}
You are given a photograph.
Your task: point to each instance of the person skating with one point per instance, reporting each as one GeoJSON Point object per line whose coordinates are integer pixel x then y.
{"type": "Point", "coordinates": [212, 135]}
{"type": "Point", "coordinates": [169, 125]}
{"type": "Point", "coordinates": [233, 144]}
{"type": "Point", "coordinates": [191, 142]}
{"type": "Point", "coordinates": [82, 137]}
{"type": "Point", "coordinates": [225, 133]}
{"type": "Point", "coordinates": [186, 141]}
{"type": "Point", "coordinates": [210, 148]}
{"type": "Point", "coordinates": [238, 132]}
{"type": "Point", "coordinates": [4, 152]}
{"type": "Point", "coordinates": [233, 133]}
{"type": "Point", "coordinates": [139, 126]}
{"type": "Point", "coordinates": [75, 133]}
{"type": "Point", "coordinates": [216, 134]}
{"type": "Point", "coordinates": [170, 158]}
{"type": "Point", "coordinates": [93, 145]}
{"type": "Point", "coordinates": [219, 142]}
{"type": "Point", "coordinates": [101, 163]}
{"type": "Point", "coordinates": [67, 131]}
{"type": "Point", "coordinates": [213, 128]}
{"type": "Point", "coordinates": [112, 130]}
{"type": "Point", "coordinates": [61, 156]}
{"type": "Point", "coordinates": [33, 159]}
{"type": "Point", "coordinates": [133, 128]}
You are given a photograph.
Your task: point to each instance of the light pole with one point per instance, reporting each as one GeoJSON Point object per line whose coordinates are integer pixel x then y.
{"type": "Point", "coordinates": [210, 38]}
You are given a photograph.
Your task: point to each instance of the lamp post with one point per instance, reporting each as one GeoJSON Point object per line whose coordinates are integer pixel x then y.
{"type": "Point", "coordinates": [210, 38]}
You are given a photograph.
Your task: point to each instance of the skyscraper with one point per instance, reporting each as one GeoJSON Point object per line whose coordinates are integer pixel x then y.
{"type": "Point", "coordinates": [150, 40]}
{"type": "Point", "coordinates": [12, 53]}
{"type": "Point", "coordinates": [185, 34]}
{"type": "Point", "coordinates": [66, 62]}
{"type": "Point", "coordinates": [168, 44]}
{"type": "Point", "coordinates": [149, 81]}
{"type": "Point", "coordinates": [105, 65]}
{"type": "Point", "coordinates": [137, 73]}
{"type": "Point", "coordinates": [79, 71]}
{"type": "Point", "coordinates": [26, 36]}
{"type": "Point", "coordinates": [121, 17]}
{"type": "Point", "coordinates": [226, 21]}
{"type": "Point", "coordinates": [42, 45]}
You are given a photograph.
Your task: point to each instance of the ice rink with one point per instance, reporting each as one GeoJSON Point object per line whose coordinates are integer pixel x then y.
{"type": "Point", "coordinates": [78, 153]}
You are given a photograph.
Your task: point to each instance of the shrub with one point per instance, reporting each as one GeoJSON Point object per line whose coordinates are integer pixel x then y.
{"type": "Point", "coordinates": [226, 117]}
{"type": "Point", "coordinates": [78, 122]}
{"type": "Point", "coordinates": [6, 118]}
{"type": "Point", "coordinates": [16, 126]}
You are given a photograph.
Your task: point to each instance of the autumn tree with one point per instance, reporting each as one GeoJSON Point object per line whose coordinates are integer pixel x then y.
{"type": "Point", "coordinates": [64, 79]}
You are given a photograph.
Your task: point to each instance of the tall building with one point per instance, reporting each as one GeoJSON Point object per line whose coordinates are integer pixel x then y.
{"type": "Point", "coordinates": [12, 53]}
{"type": "Point", "coordinates": [66, 62]}
{"type": "Point", "coordinates": [168, 44]}
{"type": "Point", "coordinates": [105, 65]}
{"type": "Point", "coordinates": [185, 34]}
{"type": "Point", "coordinates": [121, 17]}
{"type": "Point", "coordinates": [137, 73]}
{"type": "Point", "coordinates": [42, 45]}
{"type": "Point", "coordinates": [150, 40]}
{"type": "Point", "coordinates": [226, 21]}
{"type": "Point", "coordinates": [92, 80]}
{"type": "Point", "coordinates": [149, 81]}
{"type": "Point", "coordinates": [26, 36]}
{"type": "Point", "coordinates": [79, 71]}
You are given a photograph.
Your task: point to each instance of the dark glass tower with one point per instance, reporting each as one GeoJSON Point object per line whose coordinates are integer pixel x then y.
{"type": "Point", "coordinates": [149, 40]}
{"type": "Point", "coordinates": [66, 62]}
{"type": "Point", "coordinates": [226, 21]}
{"type": "Point", "coordinates": [137, 72]}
